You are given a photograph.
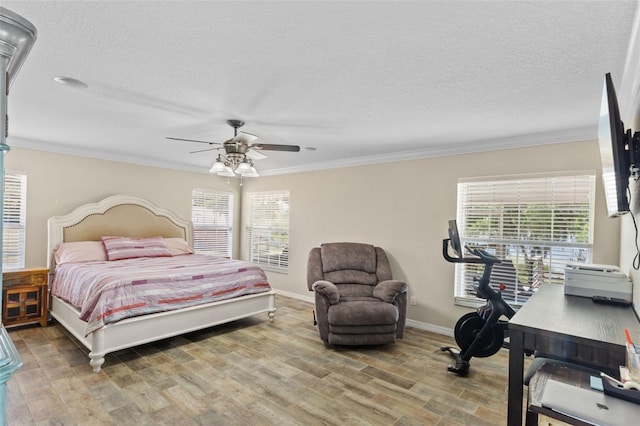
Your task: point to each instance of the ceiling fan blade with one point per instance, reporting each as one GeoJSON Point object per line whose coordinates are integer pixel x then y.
{"type": "Point", "coordinates": [203, 150]}
{"type": "Point", "coordinates": [245, 137]}
{"type": "Point", "coordinates": [255, 155]}
{"type": "Point", "coordinates": [191, 140]}
{"type": "Point", "coordinates": [275, 147]}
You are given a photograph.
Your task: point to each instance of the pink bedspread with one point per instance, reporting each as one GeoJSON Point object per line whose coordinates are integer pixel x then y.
{"type": "Point", "coordinates": [107, 292]}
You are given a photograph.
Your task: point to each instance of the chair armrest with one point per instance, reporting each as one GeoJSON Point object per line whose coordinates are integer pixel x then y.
{"type": "Point", "coordinates": [388, 290]}
{"type": "Point", "coordinates": [328, 290]}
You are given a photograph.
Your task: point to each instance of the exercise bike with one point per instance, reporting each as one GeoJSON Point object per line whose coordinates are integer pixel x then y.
{"type": "Point", "coordinates": [480, 333]}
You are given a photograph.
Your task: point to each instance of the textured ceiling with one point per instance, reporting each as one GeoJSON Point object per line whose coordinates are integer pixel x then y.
{"type": "Point", "coordinates": [359, 81]}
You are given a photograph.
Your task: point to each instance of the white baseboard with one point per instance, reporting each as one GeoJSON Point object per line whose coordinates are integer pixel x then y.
{"type": "Point", "coordinates": [430, 327]}
{"type": "Point", "coordinates": [297, 296]}
{"type": "Point", "coordinates": [411, 323]}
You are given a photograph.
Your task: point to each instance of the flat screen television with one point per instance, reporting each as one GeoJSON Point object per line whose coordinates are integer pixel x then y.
{"type": "Point", "coordinates": [614, 151]}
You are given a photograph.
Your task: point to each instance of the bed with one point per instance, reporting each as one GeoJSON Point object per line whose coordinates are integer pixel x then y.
{"type": "Point", "coordinates": [136, 218]}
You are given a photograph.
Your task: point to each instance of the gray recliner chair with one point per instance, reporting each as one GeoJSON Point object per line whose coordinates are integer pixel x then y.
{"type": "Point", "coordinates": [356, 300]}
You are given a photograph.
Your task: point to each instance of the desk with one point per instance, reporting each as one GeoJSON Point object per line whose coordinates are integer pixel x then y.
{"type": "Point", "coordinates": [570, 327]}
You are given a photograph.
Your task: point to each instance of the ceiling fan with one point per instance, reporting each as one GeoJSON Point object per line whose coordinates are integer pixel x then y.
{"type": "Point", "coordinates": [239, 152]}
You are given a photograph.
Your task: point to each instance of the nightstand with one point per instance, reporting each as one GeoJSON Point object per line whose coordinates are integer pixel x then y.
{"type": "Point", "coordinates": [25, 296]}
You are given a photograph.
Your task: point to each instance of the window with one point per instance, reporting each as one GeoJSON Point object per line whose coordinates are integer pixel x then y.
{"type": "Point", "coordinates": [14, 221]}
{"type": "Point", "coordinates": [268, 229]}
{"type": "Point", "coordinates": [212, 217]}
{"type": "Point", "coordinates": [536, 224]}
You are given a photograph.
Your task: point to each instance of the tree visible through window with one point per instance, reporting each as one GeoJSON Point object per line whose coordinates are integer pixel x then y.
{"type": "Point", "coordinates": [268, 229]}
{"type": "Point", "coordinates": [535, 224]}
{"type": "Point", "coordinates": [212, 217]}
{"type": "Point", "coordinates": [14, 221]}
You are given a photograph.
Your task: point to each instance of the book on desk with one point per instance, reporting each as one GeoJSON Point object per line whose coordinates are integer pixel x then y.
{"type": "Point", "coordinates": [589, 406]}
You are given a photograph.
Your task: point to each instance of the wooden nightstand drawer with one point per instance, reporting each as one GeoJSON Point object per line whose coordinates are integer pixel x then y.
{"type": "Point", "coordinates": [38, 277]}
{"type": "Point", "coordinates": [25, 296]}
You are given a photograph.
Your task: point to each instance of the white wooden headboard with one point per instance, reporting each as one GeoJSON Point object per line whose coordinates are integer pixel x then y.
{"type": "Point", "coordinates": [117, 215]}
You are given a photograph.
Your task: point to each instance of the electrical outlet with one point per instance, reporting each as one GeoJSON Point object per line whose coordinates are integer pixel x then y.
{"type": "Point", "coordinates": [413, 301]}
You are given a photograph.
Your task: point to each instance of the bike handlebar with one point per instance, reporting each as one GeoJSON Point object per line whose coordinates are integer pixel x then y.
{"type": "Point", "coordinates": [480, 256]}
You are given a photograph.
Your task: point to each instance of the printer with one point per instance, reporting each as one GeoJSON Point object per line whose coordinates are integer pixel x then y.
{"type": "Point", "coordinates": [590, 280]}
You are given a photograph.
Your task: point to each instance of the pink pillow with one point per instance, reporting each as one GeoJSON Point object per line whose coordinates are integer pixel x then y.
{"type": "Point", "coordinates": [127, 248]}
{"type": "Point", "coordinates": [80, 251]}
{"type": "Point", "coordinates": [178, 246]}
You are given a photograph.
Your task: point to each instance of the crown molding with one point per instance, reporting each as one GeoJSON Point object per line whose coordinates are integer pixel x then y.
{"type": "Point", "coordinates": [521, 141]}
{"type": "Point", "coordinates": [543, 138]}
{"type": "Point", "coordinates": [40, 145]}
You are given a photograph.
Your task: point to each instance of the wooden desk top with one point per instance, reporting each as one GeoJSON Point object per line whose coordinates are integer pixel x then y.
{"type": "Point", "coordinates": [551, 311]}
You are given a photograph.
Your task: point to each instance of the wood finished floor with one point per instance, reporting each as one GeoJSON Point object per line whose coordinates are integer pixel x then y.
{"type": "Point", "coordinates": [253, 372]}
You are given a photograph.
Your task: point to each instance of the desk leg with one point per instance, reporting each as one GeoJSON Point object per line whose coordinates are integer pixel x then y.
{"type": "Point", "coordinates": [516, 373]}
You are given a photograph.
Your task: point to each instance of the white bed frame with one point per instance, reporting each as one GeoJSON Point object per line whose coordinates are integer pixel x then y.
{"type": "Point", "coordinates": [123, 215]}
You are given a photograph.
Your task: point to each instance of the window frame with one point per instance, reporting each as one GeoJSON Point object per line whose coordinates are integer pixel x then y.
{"type": "Point", "coordinates": [260, 226]}
{"type": "Point", "coordinates": [542, 259]}
{"type": "Point", "coordinates": [216, 219]}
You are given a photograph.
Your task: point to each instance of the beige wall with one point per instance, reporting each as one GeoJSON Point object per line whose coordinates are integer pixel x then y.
{"type": "Point", "coordinates": [404, 208]}
{"type": "Point", "coordinates": [58, 183]}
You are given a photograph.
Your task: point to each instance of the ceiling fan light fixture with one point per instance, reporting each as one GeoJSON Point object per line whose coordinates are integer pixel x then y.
{"type": "Point", "coordinates": [251, 173]}
{"type": "Point", "coordinates": [244, 167]}
{"type": "Point", "coordinates": [218, 166]}
{"type": "Point", "coordinates": [228, 171]}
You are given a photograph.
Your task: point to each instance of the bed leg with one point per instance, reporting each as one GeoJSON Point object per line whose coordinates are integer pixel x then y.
{"type": "Point", "coordinates": [272, 315]}
{"type": "Point", "coordinates": [96, 361]}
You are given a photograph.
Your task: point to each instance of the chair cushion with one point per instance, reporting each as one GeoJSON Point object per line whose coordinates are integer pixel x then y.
{"type": "Point", "coordinates": [351, 276]}
{"type": "Point", "coordinates": [362, 311]}
{"type": "Point", "coordinates": [348, 256]}
{"type": "Point", "coordinates": [349, 290]}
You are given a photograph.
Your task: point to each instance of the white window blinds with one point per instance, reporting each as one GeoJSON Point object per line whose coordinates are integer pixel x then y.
{"type": "Point", "coordinates": [268, 229]}
{"type": "Point", "coordinates": [212, 217]}
{"type": "Point", "coordinates": [14, 221]}
{"type": "Point", "coordinates": [536, 224]}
